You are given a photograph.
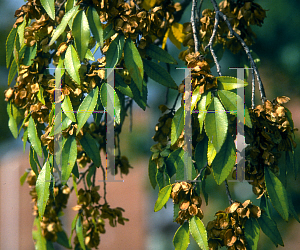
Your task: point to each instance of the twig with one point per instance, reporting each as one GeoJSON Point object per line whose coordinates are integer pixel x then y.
{"type": "Point", "coordinates": [201, 170]}
{"type": "Point", "coordinates": [194, 5]}
{"type": "Point", "coordinates": [210, 45]}
{"type": "Point", "coordinates": [94, 177]}
{"type": "Point", "coordinates": [173, 108]}
{"type": "Point", "coordinates": [104, 183]}
{"type": "Point", "coordinates": [253, 91]}
{"type": "Point", "coordinates": [228, 193]}
{"type": "Point", "coordinates": [59, 7]}
{"type": "Point", "coordinates": [199, 10]}
{"type": "Point", "coordinates": [246, 49]}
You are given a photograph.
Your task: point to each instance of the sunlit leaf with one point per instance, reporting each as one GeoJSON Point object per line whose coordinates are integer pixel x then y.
{"type": "Point", "coordinates": [216, 124]}
{"type": "Point", "coordinates": [198, 232]}
{"type": "Point", "coordinates": [114, 52]}
{"type": "Point", "coordinates": [86, 108]}
{"type": "Point", "coordinates": [147, 5]}
{"type": "Point", "coordinates": [64, 22]}
{"type": "Point", "coordinates": [229, 83]}
{"type": "Point", "coordinates": [72, 63]}
{"type": "Point", "coordinates": [42, 188]}
{"type": "Point", "coordinates": [49, 7]}
{"type": "Point", "coordinates": [68, 109]}
{"type": "Point", "coordinates": [177, 125]}
{"type": "Point", "coordinates": [81, 33]}
{"type": "Point", "coordinates": [181, 238]}
{"type": "Point", "coordinates": [95, 25]}
{"type": "Point", "coordinates": [33, 137]}
{"type": "Point", "coordinates": [108, 31]}
{"type": "Point", "coordinates": [202, 108]}
{"type": "Point", "coordinates": [252, 231]}
{"type": "Point", "coordinates": [79, 232]}
{"type": "Point", "coordinates": [10, 46]}
{"type": "Point", "coordinates": [134, 63]}
{"type": "Point", "coordinates": [69, 157]}
{"type": "Point", "coordinates": [163, 197]}
{"type": "Point", "coordinates": [37, 235]}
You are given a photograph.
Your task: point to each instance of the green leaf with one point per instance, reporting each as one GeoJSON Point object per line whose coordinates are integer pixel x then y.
{"type": "Point", "coordinates": [198, 232]}
{"type": "Point", "coordinates": [134, 63]}
{"type": "Point", "coordinates": [163, 197]}
{"type": "Point", "coordinates": [292, 210]}
{"type": "Point", "coordinates": [40, 95]}
{"type": "Point", "coordinates": [160, 179]}
{"type": "Point", "coordinates": [196, 96]}
{"type": "Point", "coordinates": [201, 154]}
{"type": "Point", "coordinates": [252, 231]}
{"type": "Point", "coordinates": [91, 172]}
{"type": "Point", "coordinates": [175, 164]}
{"type": "Point", "coordinates": [202, 108]}
{"type": "Point", "coordinates": [33, 160]}
{"type": "Point", "coordinates": [21, 30]}
{"type": "Point", "coordinates": [224, 160]}
{"type": "Point", "coordinates": [12, 122]}
{"type": "Point", "coordinates": [81, 34]}
{"type": "Point", "coordinates": [177, 125]}
{"type": "Point", "coordinates": [75, 218]}
{"type": "Point", "coordinates": [216, 124]}
{"type": "Point", "coordinates": [181, 238]}
{"type": "Point", "coordinates": [39, 240]}
{"type": "Point", "coordinates": [211, 152]}
{"type": "Point", "coordinates": [10, 46]}
{"type": "Point", "coordinates": [12, 71]}
{"type": "Point", "coordinates": [269, 227]}
{"type": "Point", "coordinates": [49, 245]}
{"type": "Point", "coordinates": [159, 74]}
{"type": "Point", "coordinates": [277, 194]}
{"type": "Point", "coordinates": [95, 25]}
{"type": "Point", "coordinates": [25, 136]}
{"type": "Point", "coordinates": [229, 83]}
{"type": "Point", "coordinates": [152, 170]}
{"type": "Point", "coordinates": [49, 7]}
{"type": "Point", "coordinates": [159, 54]}
{"type": "Point", "coordinates": [33, 137]}
{"type": "Point", "coordinates": [42, 188]}
{"type": "Point", "coordinates": [68, 109]}
{"type": "Point", "coordinates": [114, 52]}
{"type": "Point", "coordinates": [122, 86]}
{"type": "Point", "coordinates": [69, 5]}
{"type": "Point", "coordinates": [69, 157]}
{"type": "Point", "coordinates": [79, 232]}
{"type": "Point", "coordinates": [90, 147]}
{"type": "Point", "coordinates": [23, 178]}
{"type": "Point", "coordinates": [75, 171]}
{"type": "Point", "coordinates": [138, 97]}
{"type": "Point", "coordinates": [98, 115]}
{"type": "Point", "coordinates": [108, 94]}
{"type": "Point", "coordinates": [108, 31]}
{"type": "Point", "coordinates": [264, 205]}
{"type": "Point", "coordinates": [89, 55]}
{"type": "Point", "coordinates": [72, 63]}
{"type": "Point", "coordinates": [64, 22]}
{"type": "Point", "coordinates": [86, 108]}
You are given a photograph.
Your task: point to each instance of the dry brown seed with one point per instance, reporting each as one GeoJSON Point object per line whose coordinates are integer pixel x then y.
{"type": "Point", "coordinates": [232, 207]}
{"type": "Point", "coordinates": [184, 205]}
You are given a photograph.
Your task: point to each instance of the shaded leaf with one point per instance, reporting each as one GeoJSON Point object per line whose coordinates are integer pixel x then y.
{"type": "Point", "coordinates": [90, 174]}
{"type": "Point", "coordinates": [252, 231]}
{"type": "Point", "coordinates": [160, 179]}
{"type": "Point", "coordinates": [114, 52]}
{"type": "Point", "coordinates": [201, 154]}
{"type": "Point", "coordinates": [277, 193]}
{"type": "Point", "coordinates": [163, 197]}
{"type": "Point", "coordinates": [108, 94]}
{"type": "Point", "coordinates": [108, 31]}
{"type": "Point", "coordinates": [292, 210]}
{"type": "Point", "coordinates": [29, 55]}
{"type": "Point", "coordinates": [69, 5]}
{"type": "Point", "coordinates": [159, 54]}
{"type": "Point", "coordinates": [64, 22]}
{"type": "Point", "coordinates": [72, 63]}
{"type": "Point", "coordinates": [177, 125]}
{"type": "Point", "coordinates": [216, 124]}
{"type": "Point", "coordinates": [134, 63]}
{"type": "Point", "coordinates": [86, 108]}
{"type": "Point", "coordinates": [12, 71]}
{"type": "Point", "coordinates": [62, 239]}
{"type": "Point", "coordinates": [152, 170]}
{"type": "Point", "coordinates": [181, 238]}
{"type": "Point", "coordinates": [95, 25]}
{"type": "Point", "coordinates": [49, 7]}
{"type": "Point", "coordinates": [264, 205]}
{"type": "Point", "coordinates": [198, 232]}
{"type": "Point", "coordinates": [159, 74]}
{"type": "Point", "coordinates": [269, 227]}
{"type": "Point", "coordinates": [42, 188]}
{"type": "Point", "coordinates": [69, 157]}
{"type": "Point", "coordinates": [33, 160]}
{"type": "Point", "coordinates": [224, 160]}
{"type": "Point", "coordinates": [229, 83]}
{"type": "Point", "coordinates": [138, 97]}
{"type": "Point", "coordinates": [79, 233]}
{"type": "Point", "coordinates": [175, 164]}
{"type": "Point", "coordinates": [23, 178]}
{"type": "Point", "coordinates": [33, 137]}
{"type": "Point", "coordinates": [90, 147]}
{"type": "Point", "coordinates": [81, 33]}
{"type": "Point", "coordinates": [122, 86]}
{"type": "Point", "coordinates": [12, 122]}
{"type": "Point", "coordinates": [68, 109]}
{"type": "Point", "coordinates": [10, 46]}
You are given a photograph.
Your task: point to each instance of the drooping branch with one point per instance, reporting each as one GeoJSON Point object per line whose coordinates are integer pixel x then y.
{"type": "Point", "coordinates": [245, 47]}
{"type": "Point", "coordinates": [193, 22]}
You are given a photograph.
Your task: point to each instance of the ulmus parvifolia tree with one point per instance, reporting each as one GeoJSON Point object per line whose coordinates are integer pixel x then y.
{"type": "Point", "coordinates": [192, 142]}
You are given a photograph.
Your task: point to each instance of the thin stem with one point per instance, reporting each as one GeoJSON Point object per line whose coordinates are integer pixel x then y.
{"type": "Point", "coordinates": [199, 9]}
{"type": "Point", "coordinates": [253, 91]}
{"type": "Point", "coordinates": [194, 5]}
{"type": "Point", "coordinates": [198, 175]}
{"type": "Point", "coordinates": [104, 183]}
{"type": "Point", "coordinates": [173, 108]}
{"type": "Point", "coordinates": [228, 193]}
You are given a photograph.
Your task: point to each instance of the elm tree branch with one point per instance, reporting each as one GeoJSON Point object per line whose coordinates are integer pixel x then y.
{"type": "Point", "coordinates": [193, 22]}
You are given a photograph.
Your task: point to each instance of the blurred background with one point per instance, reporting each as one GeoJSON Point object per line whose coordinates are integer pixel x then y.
{"type": "Point", "coordinates": [278, 47]}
